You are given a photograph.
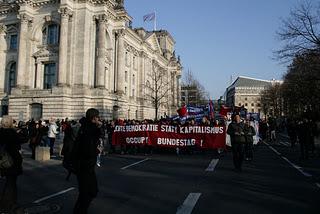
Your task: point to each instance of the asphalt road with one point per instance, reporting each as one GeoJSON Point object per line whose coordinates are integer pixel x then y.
{"type": "Point", "coordinates": [167, 183]}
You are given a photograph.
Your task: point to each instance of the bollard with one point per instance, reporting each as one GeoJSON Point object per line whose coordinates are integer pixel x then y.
{"type": "Point", "coordinates": [42, 153]}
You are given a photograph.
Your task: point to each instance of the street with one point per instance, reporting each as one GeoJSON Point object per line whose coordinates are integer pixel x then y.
{"type": "Point", "coordinates": [166, 183]}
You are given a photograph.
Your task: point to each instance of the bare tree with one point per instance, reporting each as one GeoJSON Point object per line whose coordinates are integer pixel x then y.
{"type": "Point", "coordinates": [300, 32]}
{"type": "Point", "coordinates": [157, 88]}
{"type": "Point", "coordinates": [301, 87]}
{"type": "Point", "coordinates": [271, 100]}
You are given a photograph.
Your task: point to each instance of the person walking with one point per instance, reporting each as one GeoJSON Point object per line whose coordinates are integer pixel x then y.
{"type": "Point", "coordinates": [11, 141]}
{"type": "Point", "coordinates": [236, 132]}
{"type": "Point", "coordinates": [249, 132]}
{"type": "Point", "coordinates": [87, 151]}
{"type": "Point", "coordinates": [52, 133]}
{"type": "Point", "coordinates": [304, 136]}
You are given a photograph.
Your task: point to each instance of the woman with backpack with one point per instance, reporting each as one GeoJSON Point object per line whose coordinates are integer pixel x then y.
{"type": "Point", "coordinates": [10, 144]}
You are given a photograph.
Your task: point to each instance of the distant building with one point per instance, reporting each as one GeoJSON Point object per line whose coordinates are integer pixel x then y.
{"type": "Point", "coordinates": [189, 95]}
{"type": "Point", "coordinates": [59, 58]}
{"type": "Point", "coordinates": [192, 95]}
{"type": "Point", "coordinates": [245, 91]}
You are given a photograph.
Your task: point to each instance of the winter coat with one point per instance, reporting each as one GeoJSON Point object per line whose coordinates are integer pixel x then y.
{"type": "Point", "coordinates": [52, 130]}
{"type": "Point", "coordinates": [12, 141]}
{"type": "Point", "coordinates": [88, 141]}
{"type": "Point", "coordinates": [249, 132]}
{"type": "Point", "coordinates": [236, 132]}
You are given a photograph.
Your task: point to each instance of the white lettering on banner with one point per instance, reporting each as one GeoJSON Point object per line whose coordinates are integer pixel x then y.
{"type": "Point", "coordinates": [166, 128]}
{"type": "Point", "coordinates": [137, 128]}
{"type": "Point", "coordinates": [136, 140]}
{"type": "Point", "coordinates": [201, 130]}
{"type": "Point", "coordinates": [176, 142]}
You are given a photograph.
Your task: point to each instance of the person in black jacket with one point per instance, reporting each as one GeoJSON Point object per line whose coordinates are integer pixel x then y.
{"type": "Point", "coordinates": [249, 132]}
{"type": "Point", "coordinates": [237, 136]}
{"type": "Point", "coordinates": [11, 141]}
{"type": "Point", "coordinates": [88, 140]}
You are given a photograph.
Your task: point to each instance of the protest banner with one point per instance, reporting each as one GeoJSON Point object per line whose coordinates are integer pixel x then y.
{"type": "Point", "coordinates": [170, 136]}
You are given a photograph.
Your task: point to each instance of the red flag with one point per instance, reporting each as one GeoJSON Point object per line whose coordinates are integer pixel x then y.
{"type": "Point", "coordinates": [211, 110]}
{"type": "Point", "coordinates": [224, 110]}
{"type": "Point", "coordinates": [182, 111]}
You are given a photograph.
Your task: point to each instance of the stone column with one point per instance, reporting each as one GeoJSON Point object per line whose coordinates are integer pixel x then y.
{"type": "Point", "coordinates": [2, 57]}
{"type": "Point", "coordinates": [101, 53]}
{"type": "Point", "coordinates": [63, 46]}
{"type": "Point", "coordinates": [173, 89]}
{"type": "Point", "coordinates": [22, 58]}
{"type": "Point", "coordinates": [121, 63]}
{"type": "Point", "coordinates": [178, 90]}
{"type": "Point", "coordinates": [38, 75]}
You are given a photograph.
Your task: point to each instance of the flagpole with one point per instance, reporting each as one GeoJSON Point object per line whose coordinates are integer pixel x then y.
{"type": "Point", "coordinates": [155, 21]}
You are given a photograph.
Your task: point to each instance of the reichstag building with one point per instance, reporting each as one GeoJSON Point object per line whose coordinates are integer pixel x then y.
{"type": "Point", "coordinates": [59, 58]}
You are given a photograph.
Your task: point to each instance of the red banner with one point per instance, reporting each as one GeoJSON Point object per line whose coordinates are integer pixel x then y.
{"type": "Point", "coordinates": [170, 136]}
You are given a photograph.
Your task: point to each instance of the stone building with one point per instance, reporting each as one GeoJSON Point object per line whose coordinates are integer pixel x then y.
{"type": "Point", "coordinates": [245, 91]}
{"type": "Point", "coordinates": [59, 58]}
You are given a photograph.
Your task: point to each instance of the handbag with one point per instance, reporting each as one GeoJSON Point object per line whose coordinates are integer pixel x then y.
{"type": "Point", "coordinates": [6, 160]}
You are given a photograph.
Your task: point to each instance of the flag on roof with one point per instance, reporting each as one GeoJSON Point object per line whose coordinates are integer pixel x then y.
{"type": "Point", "coordinates": [149, 17]}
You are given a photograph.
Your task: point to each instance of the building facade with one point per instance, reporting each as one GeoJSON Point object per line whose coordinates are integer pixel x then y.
{"type": "Point", "coordinates": [246, 91]}
{"type": "Point", "coordinates": [59, 58]}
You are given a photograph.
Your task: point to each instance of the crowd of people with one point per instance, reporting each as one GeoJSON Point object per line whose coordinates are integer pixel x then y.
{"type": "Point", "coordinates": [92, 137]}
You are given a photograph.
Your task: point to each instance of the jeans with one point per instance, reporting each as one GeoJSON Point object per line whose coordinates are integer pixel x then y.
{"type": "Point", "coordinates": [51, 141]}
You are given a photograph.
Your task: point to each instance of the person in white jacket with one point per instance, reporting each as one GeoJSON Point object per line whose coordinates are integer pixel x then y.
{"type": "Point", "coordinates": [52, 135]}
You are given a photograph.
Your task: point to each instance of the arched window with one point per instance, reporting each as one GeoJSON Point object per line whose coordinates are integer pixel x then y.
{"type": "Point", "coordinates": [12, 76]}
{"type": "Point", "coordinates": [50, 34]}
{"type": "Point", "coordinates": [148, 89]}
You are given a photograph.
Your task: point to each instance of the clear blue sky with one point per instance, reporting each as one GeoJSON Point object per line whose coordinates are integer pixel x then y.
{"type": "Point", "coordinates": [217, 39]}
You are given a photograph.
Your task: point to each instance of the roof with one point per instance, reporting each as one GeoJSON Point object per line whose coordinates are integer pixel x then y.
{"type": "Point", "coordinates": [242, 81]}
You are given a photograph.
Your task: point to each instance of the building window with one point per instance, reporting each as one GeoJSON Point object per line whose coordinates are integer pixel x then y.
{"type": "Point", "coordinates": [13, 42]}
{"type": "Point", "coordinates": [127, 59]}
{"type": "Point", "coordinates": [246, 104]}
{"type": "Point", "coordinates": [134, 61]}
{"type": "Point", "coordinates": [258, 104]}
{"type": "Point", "coordinates": [12, 76]}
{"type": "Point", "coordinates": [50, 75]}
{"type": "Point", "coordinates": [148, 88]}
{"type": "Point", "coordinates": [245, 99]}
{"type": "Point", "coordinates": [133, 79]}
{"type": "Point", "coordinates": [125, 90]}
{"type": "Point", "coordinates": [252, 104]}
{"type": "Point", "coordinates": [239, 104]}
{"type": "Point", "coordinates": [50, 34]}
{"type": "Point", "coordinates": [36, 111]}
{"type": "Point", "coordinates": [252, 110]}
{"type": "Point", "coordinates": [126, 76]}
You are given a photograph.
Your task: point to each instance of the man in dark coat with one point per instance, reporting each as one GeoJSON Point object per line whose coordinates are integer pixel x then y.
{"type": "Point", "coordinates": [11, 141]}
{"type": "Point", "coordinates": [237, 136]}
{"type": "Point", "coordinates": [304, 135]}
{"type": "Point", "coordinates": [88, 140]}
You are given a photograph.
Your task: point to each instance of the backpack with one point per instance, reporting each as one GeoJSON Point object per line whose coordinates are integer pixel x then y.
{"type": "Point", "coordinates": [6, 160]}
{"type": "Point", "coordinates": [70, 151]}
